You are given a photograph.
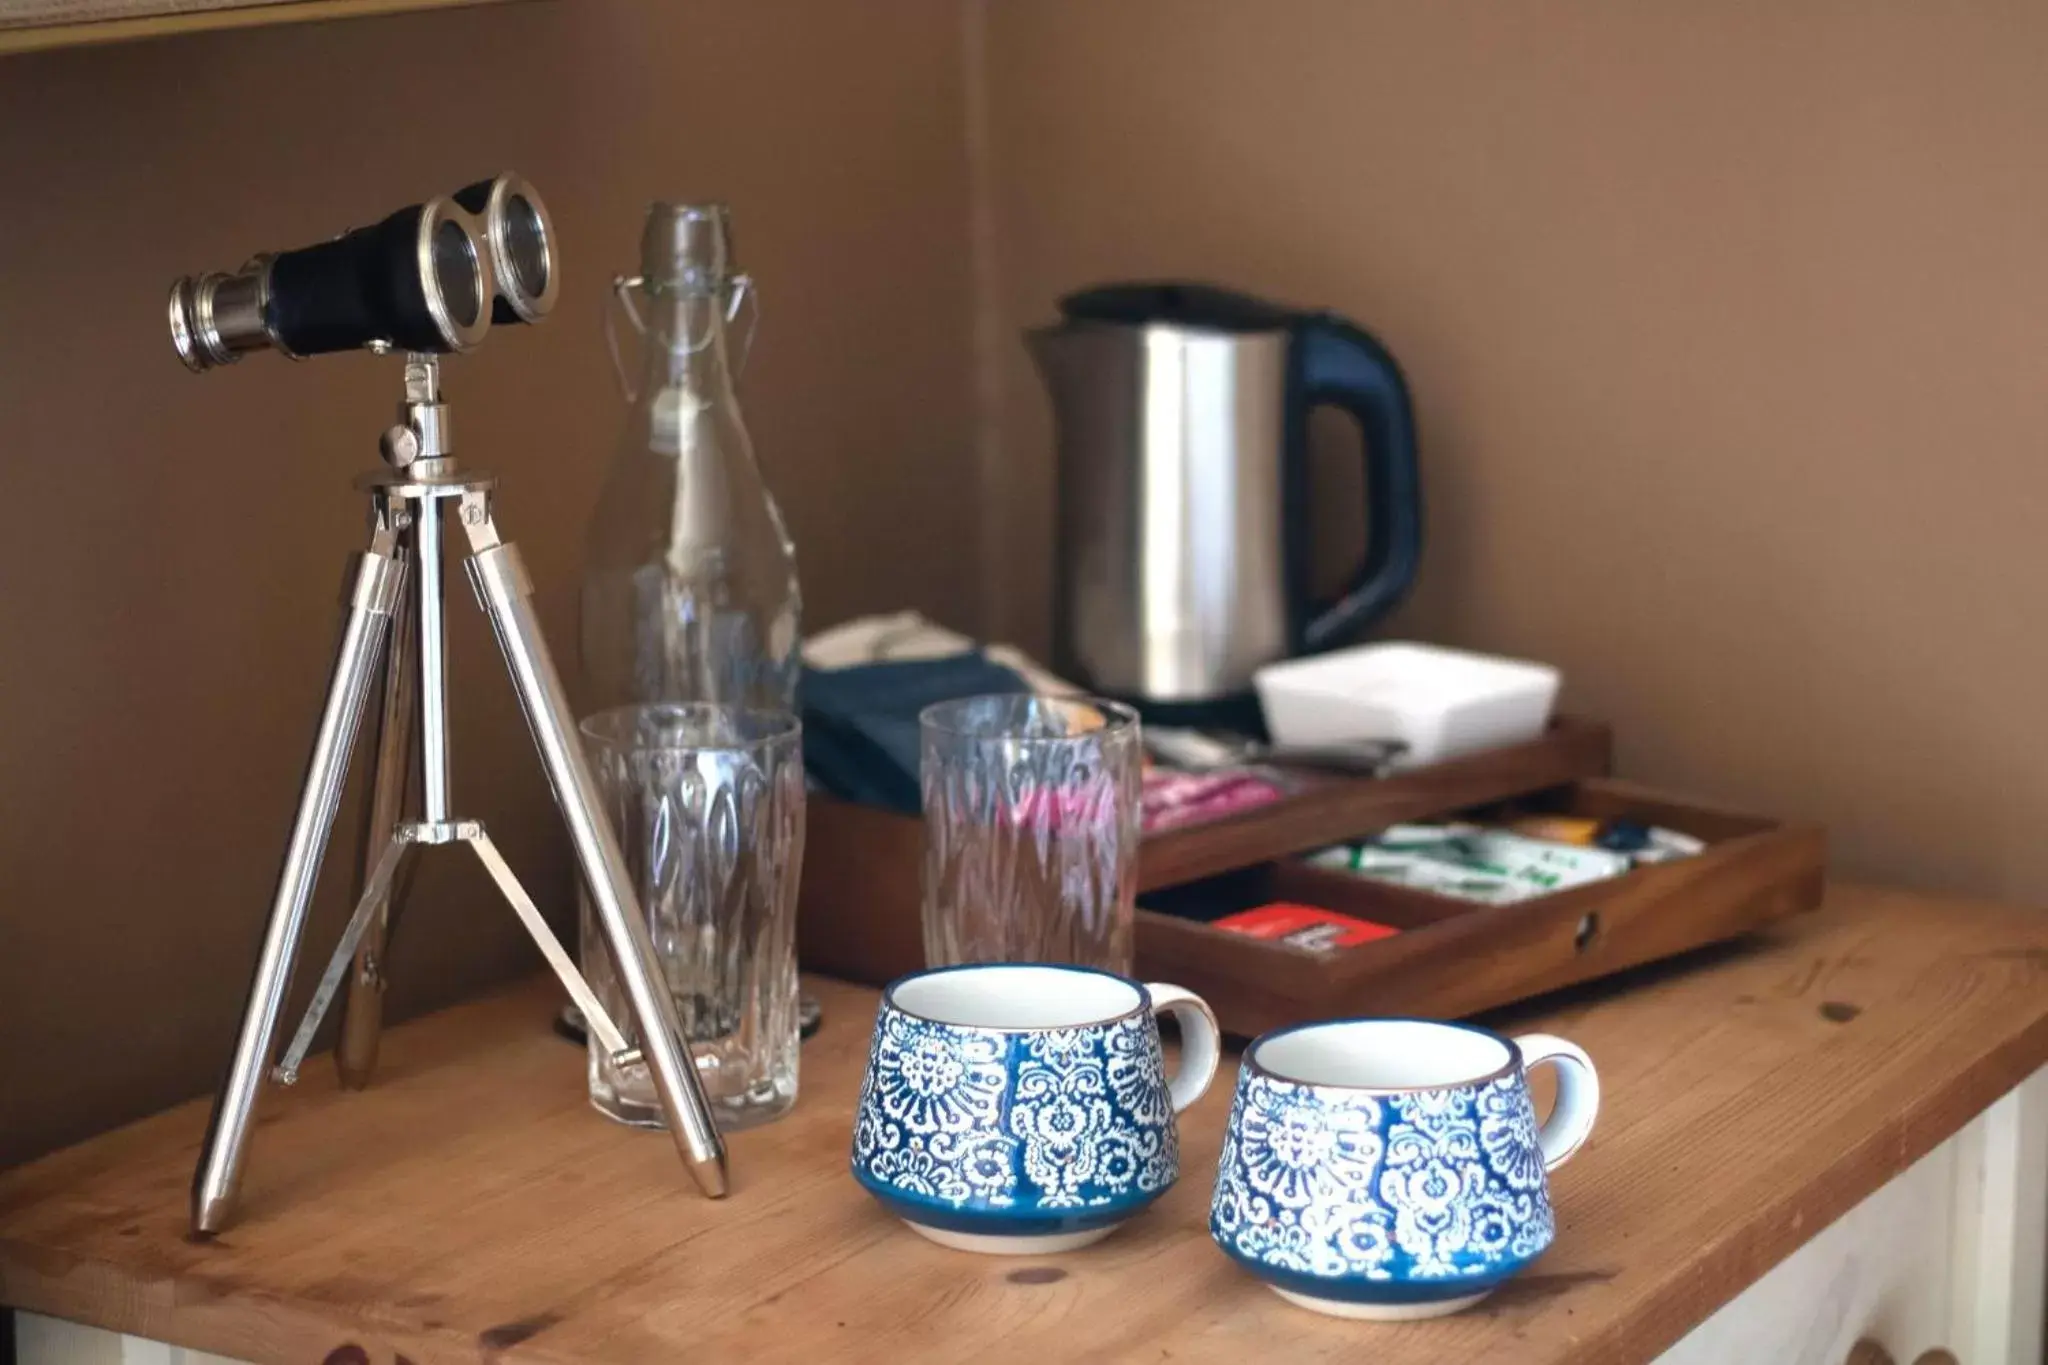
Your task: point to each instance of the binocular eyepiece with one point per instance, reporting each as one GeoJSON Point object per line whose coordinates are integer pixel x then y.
{"type": "Point", "coordinates": [431, 277]}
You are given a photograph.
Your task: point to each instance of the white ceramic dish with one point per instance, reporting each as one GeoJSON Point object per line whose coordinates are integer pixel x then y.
{"type": "Point", "coordinates": [1440, 702]}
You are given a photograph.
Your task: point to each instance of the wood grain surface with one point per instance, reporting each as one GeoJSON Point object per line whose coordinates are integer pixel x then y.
{"type": "Point", "coordinates": [470, 1206]}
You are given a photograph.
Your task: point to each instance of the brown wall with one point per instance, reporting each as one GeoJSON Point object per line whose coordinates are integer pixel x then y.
{"type": "Point", "coordinates": [173, 545]}
{"type": "Point", "coordinates": [1727, 328]}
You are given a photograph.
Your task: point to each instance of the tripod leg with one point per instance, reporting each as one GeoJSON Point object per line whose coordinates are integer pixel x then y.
{"type": "Point", "coordinates": [377, 580]}
{"type": "Point", "coordinates": [362, 1020]}
{"type": "Point", "coordinates": [506, 594]}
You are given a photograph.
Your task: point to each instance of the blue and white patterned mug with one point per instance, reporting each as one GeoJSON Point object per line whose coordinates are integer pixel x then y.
{"type": "Point", "coordinates": [1021, 1108]}
{"type": "Point", "coordinates": [1393, 1168]}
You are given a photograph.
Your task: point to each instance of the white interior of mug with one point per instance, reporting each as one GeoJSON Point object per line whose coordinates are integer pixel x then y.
{"type": "Point", "coordinates": [1383, 1054]}
{"type": "Point", "coordinates": [1015, 996]}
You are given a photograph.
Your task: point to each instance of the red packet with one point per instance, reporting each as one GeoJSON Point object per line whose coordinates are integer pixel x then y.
{"type": "Point", "coordinates": [1304, 926]}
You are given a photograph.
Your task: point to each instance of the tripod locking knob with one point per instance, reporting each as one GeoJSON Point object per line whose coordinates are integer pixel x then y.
{"type": "Point", "coordinates": [400, 446]}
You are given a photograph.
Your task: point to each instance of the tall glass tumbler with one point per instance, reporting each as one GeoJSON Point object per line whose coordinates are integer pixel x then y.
{"type": "Point", "coordinates": [1031, 826]}
{"type": "Point", "coordinates": [708, 804]}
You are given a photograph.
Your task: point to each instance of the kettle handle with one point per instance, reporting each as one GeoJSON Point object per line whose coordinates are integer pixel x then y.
{"type": "Point", "coordinates": [1339, 365]}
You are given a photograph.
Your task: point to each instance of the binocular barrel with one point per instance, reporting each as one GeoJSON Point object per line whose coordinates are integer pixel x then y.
{"type": "Point", "coordinates": [431, 277]}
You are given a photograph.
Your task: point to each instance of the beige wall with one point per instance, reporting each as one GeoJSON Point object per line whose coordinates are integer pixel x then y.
{"type": "Point", "coordinates": [1728, 328]}
{"type": "Point", "coordinates": [173, 545]}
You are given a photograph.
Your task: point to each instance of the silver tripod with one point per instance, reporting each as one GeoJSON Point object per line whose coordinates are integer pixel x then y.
{"type": "Point", "coordinates": [410, 506]}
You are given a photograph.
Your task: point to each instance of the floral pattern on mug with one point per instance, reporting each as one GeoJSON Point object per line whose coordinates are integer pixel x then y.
{"type": "Point", "coordinates": [1429, 1184]}
{"type": "Point", "coordinates": [941, 1081]}
{"type": "Point", "coordinates": [1056, 1118]}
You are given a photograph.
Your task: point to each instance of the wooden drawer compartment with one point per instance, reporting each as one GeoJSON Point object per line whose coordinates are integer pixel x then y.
{"type": "Point", "coordinates": [1455, 958]}
{"type": "Point", "coordinates": [858, 915]}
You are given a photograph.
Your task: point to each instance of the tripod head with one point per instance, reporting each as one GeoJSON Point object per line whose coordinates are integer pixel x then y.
{"type": "Point", "coordinates": [430, 278]}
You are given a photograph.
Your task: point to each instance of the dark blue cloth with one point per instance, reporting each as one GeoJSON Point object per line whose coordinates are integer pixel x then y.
{"type": "Point", "coordinates": [860, 723]}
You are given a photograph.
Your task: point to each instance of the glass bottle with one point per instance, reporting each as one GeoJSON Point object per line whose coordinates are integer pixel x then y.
{"type": "Point", "coordinates": [689, 596]}
{"type": "Point", "coordinates": [689, 586]}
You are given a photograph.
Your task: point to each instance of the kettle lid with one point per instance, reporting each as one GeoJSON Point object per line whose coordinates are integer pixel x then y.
{"type": "Point", "coordinates": [1178, 304]}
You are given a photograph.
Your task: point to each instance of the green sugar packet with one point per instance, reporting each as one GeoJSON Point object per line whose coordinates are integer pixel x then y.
{"type": "Point", "coordinates": [1489, 866]}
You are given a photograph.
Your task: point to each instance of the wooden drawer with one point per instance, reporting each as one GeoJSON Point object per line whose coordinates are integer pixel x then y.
{"type": "Point", "coordinates": [858, 913]}
{"type": "Point", "coordinates": [1455, 958]}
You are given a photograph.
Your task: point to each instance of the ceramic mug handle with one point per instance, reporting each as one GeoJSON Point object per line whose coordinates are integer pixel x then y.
{"type": "Point", "coordinates": [1201, 1041]}
{"type": "Point", "coordinates": [1578, 1095]}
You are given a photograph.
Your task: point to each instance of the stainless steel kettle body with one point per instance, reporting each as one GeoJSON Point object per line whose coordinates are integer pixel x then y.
{"type": "Point", "coordinates": [1172, 580]}
{"type": "Point", "coordinates": [1180, 423]}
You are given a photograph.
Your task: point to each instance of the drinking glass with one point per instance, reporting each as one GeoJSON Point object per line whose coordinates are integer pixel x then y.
{"type": "Point", "coordinates": [1031, 826]}
{"type": "Point", "coordinates": [708, 804]}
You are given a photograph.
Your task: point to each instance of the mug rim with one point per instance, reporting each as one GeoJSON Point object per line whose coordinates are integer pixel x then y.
{"type": "Point", "coordinates": [1512, 1067]}
{"type": "Point", "coordinates": [1143, 1005]}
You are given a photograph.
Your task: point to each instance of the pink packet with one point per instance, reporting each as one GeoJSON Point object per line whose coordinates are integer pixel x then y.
{"type": "Point", "coordinates": [1175, 800]}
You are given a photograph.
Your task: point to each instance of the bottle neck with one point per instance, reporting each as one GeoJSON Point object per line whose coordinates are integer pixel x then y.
{"type": "Point", "coordinates": [687, 347]}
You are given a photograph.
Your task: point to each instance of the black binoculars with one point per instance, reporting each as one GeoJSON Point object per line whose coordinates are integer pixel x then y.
{"type": "Point", "coordinates": [431, 277]}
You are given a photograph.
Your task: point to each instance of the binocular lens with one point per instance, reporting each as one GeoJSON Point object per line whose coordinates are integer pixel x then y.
{"type": "Point", "coordinates": [522, 245]}
{"type": "Point", "coordinates": [526, 247]}
{"type": "Point", "coordinates": [459, 274]}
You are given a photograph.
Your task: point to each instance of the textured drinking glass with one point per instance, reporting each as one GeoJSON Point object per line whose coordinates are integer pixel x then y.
{"type": "Point", "coordinates": [1031, 825]}
{"type": "Point", "coordinates": [708, 803]}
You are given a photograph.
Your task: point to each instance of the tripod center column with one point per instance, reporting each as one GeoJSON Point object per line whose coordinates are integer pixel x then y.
{"type": "Point", "coordinates": [433, 665]}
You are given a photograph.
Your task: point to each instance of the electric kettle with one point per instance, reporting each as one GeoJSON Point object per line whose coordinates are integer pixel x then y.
{"type": "Point", "coordinates": [1181, 425]}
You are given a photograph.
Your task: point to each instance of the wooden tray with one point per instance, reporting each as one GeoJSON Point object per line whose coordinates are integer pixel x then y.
{"type": "Point", "coordinates": [857, 916]}
{"type": "Point", "coordinates": [1455, 958]}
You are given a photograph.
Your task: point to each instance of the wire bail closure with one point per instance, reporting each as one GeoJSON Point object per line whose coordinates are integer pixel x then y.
{"type": "Point", "coordinates": [740, 291]}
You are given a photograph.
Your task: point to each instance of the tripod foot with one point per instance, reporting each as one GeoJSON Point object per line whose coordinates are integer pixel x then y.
{"type": "Point", "coordinates": [710, 1175]}
{"type": "Point", "coordinates": [211, 1213]}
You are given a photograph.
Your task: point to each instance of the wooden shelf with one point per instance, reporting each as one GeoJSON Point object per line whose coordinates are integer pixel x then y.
{"type": "Point", "coordinates": [40, 37]}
